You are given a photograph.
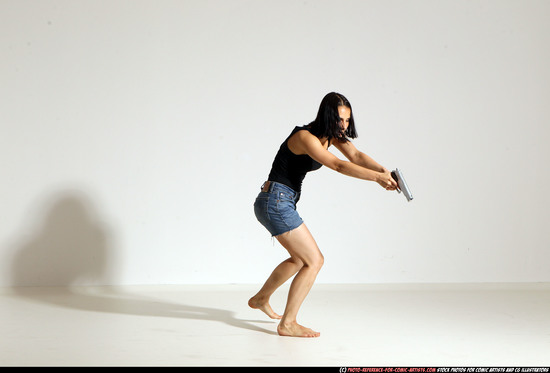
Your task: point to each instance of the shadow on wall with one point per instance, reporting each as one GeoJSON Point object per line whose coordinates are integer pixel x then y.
{"type": "Point", "coordinates": [69, 247]}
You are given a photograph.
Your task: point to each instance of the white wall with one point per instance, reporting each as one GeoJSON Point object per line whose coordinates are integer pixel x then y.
{"type": "Point", "coordinates": [135, 136]}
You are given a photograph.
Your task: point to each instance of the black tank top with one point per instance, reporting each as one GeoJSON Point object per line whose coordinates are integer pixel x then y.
{"type": "Point", "coordinates": [289, 168]}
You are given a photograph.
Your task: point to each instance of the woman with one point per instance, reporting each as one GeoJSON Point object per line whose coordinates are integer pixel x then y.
{"type": "Point", "coordinates": [303, 151]}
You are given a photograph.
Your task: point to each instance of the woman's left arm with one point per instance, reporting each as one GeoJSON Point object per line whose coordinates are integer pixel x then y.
{"type": "Point", "coordinates": [358, 157]}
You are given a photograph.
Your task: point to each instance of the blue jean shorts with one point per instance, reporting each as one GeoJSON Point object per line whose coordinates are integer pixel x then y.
{"type": "Point", "coordinates": [276, 209]}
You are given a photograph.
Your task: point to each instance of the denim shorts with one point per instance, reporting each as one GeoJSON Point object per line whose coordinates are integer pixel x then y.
{"type": "Point", "coordinates": [276, 209]}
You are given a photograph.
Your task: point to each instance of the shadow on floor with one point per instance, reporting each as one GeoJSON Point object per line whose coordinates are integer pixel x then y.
{"type": "Point", "coordinates": [70, 245]}
{"type": "Point", "coordinates": [112, 300]}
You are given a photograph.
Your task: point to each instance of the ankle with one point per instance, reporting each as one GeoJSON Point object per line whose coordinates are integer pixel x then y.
{"type": "Point", "coordinates": [286, 322]}
{"type": "Point", "coordinates": [259, 298]}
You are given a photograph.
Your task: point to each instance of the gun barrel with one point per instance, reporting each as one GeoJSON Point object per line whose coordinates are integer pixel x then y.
{"type": "Point", "coordinates": [398, 175]}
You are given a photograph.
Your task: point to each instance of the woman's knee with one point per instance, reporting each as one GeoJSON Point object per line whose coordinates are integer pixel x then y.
{"type": "Point", "coordinates": [316, 262]}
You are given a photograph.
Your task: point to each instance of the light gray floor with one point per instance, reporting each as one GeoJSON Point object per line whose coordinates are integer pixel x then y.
{"type": "Point", "coordinates": [360, 325]}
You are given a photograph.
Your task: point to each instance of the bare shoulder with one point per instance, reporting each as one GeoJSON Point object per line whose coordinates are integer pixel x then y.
{"type": "Point", "coordinates": [301, 141]}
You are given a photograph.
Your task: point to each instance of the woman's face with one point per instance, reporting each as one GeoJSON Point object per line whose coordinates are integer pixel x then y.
{"type": "Point", "coordinates": [344, 113]}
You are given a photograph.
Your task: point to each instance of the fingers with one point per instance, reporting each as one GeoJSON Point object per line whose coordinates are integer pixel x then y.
{"type": "Point", "coordinates": [388, 182]}
{"type": "Point", "coordinates": [391, 185]}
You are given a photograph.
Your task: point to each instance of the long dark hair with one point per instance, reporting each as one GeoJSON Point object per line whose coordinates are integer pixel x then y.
{"type": "Point", "coordinates": [327, 122]}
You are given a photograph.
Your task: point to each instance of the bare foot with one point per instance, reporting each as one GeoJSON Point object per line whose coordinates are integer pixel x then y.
{"type": "Point", "coordinates": [296, 330]}
{"type": "Point", "coordinates": [264, 307]}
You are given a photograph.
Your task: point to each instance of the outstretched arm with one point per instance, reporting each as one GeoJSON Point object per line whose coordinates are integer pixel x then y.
{"type": "Point", "coordinates": [305, 143]}
{"type": "Point", "coordinates": [358, 157]}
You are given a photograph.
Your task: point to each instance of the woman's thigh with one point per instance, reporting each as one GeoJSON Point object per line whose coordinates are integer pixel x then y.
{"type": "Point", "coordinates": [300, 244]}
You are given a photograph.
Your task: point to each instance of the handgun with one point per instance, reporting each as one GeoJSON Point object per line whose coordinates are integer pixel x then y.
{"type": "Point", "coordinates": [403, 187]}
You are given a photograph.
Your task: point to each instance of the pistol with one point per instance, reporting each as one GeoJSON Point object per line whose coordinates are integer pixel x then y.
{"type": "Point", "coordinates": [403, 187]}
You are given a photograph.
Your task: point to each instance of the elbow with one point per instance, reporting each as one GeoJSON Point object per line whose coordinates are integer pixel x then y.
{"type": "Point", "coordinates": [340, 167]}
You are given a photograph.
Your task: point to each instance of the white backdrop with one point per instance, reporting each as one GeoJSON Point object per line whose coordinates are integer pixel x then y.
{"type": "Point", "coordinates": [135, 136]}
